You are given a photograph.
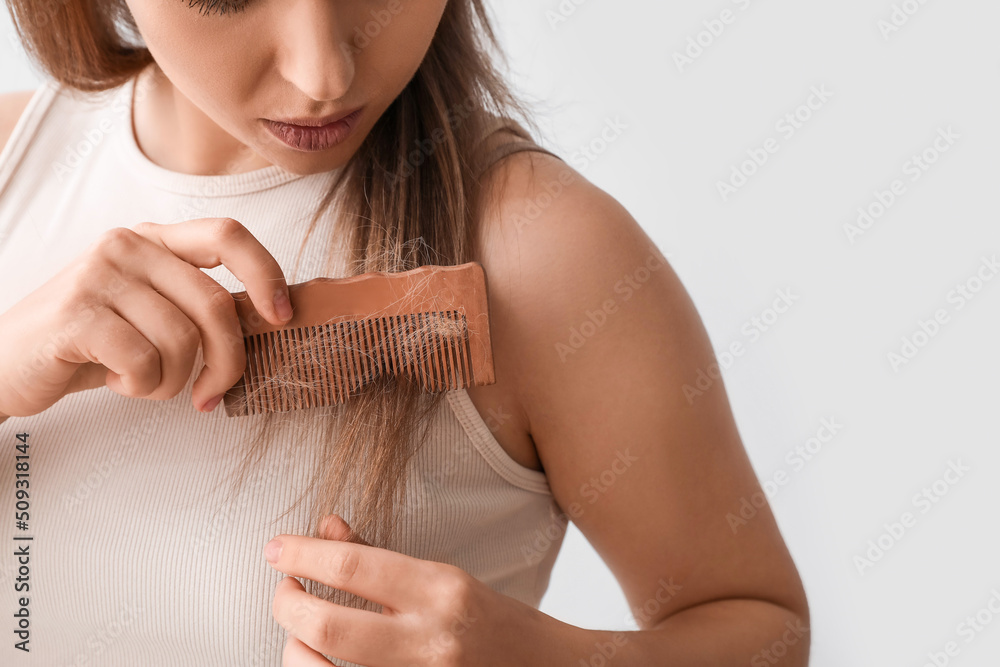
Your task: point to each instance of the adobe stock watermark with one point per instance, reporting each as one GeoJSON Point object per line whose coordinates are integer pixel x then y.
{"type": "Point", "coordinates": [266, 648]}
{"type": "Point", "coordinates": [923, 501]}
{"type": "Point", "coordinates": [787, 127]}
{"type": "Point", "coordinates": [303, 621]}
{"type": "Point", "coordinates": [712, 30]}
{"type": "Point", "coordinates": [589, 152]}
{"type": "Point", "coordinates": [228, 512]}
{"type": "Point", "coordinates": [47, 349]}
{"type": "Point", "coordinates": [436, 478]}
{"type": "Point", "coordinates": [643, 615]}
{"type": "Point", "coordinates": [752, 329]}
{"type": "Point", "coordinates": [797, 458]}
{"type": "Point", "coordinates": [968, 630]}
{"type": "Point", "coordinates": [793, 634]}
{"type": "Point", "coordinates": [585, 155]}
{"type": "Point", "coordinates": [100, 641]}
{"type": "Point", "coordinates": [443, 644]}
{"type": "Point", "coordinates": [552, 190]}
{"type": "Point", "coordinates": [99, 472]}
{"type": "Point", "coordinates": [625, 288]}
{"type": "Point", "coordinates": [646, 613]}
{"type": "Point", "coordinates": [899, 17]}
{"type": "Point", "coordinates": [928, 329]}
{"type": "Point", "coordinates": [364, 35]}
{"type": "Point", "coordinates": [425, 148]}
{"type": "Point", "coordinates": [605, 650]}
{"type": "Point", "coordinates": [562, 13]}
{"type": "Point", "coordinates": [913, 168]}
{"type": "Point", "coordinates": [199, 204]}
{"type": "Point", "coordinates": [40, 18]}
{"type": "Point", "coordinates": [121, 110]}
{"type": "Point", "coordinates": [592, 490]}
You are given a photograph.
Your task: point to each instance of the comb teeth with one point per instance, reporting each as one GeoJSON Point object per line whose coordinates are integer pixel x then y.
{"type": "Point", "coordinates": [321, 359]}
{"type": "Point", "coordinates": [324, 365]}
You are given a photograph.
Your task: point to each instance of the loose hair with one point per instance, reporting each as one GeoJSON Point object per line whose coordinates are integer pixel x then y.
{"type": "Point", "coordinates": [408, 197]}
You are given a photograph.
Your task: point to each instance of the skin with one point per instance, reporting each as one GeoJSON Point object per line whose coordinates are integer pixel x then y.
{"type": "Point", "coordinates": [648, 475]}
{"type": "Point", "coordinates": [297, 58]}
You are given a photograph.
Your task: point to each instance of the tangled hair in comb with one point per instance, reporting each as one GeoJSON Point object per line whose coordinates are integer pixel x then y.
{"type": "Point", "coordinates": [430, 324]}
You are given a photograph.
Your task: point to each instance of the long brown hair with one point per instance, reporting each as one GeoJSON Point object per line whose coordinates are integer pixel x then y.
{"type": "Point", "coordinates": [408, 197]}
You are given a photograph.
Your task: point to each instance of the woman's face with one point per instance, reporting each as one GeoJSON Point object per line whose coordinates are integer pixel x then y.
{"type": "Point", "coordinates": [245, 63]}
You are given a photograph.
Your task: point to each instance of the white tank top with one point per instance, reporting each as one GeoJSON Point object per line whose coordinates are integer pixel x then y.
{"type": "Point", "coordinates": [132, 558]}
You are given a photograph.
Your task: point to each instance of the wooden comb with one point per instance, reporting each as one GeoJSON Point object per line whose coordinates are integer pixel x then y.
{"type": "Point", "coordinates": [430, 323]}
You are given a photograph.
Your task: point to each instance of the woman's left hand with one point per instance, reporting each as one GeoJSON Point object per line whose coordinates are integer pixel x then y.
{"type": "Point", "coordinates": [433, 613]}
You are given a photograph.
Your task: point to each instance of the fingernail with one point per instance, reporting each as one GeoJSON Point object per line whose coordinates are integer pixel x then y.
{"type": "Point", "coordinates": [211, 403]}
{"type": "Point", "coordinates": [272, 550]}
{"type": "Point", "coordinates": [282, 305]}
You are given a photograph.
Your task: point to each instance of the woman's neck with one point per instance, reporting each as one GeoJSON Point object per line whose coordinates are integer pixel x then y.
{"type": "Point", "coordinates": [176, 135]}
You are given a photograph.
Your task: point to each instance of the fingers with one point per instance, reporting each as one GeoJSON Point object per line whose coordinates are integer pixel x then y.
{"type": "Point", "coordinates": [132, 362]}
{"type": "Point", "coordinates": [175, 307]}
{"type": "Point", "coordinates": [225, 241]}
{"type": "Point", "coordinates": [148, 335]}
{"type": "Point", "coordinates": [211, 311]}
{"type": "Point", "coordinates": [206, 244]}
{"type": "Point", "coordinates": [162, 372]}
{"type": "Point", "coordinates": [154, 307]}
{"type": "Point", "coordinates": [143, 345]}
{"type": "Point", "coordinates": [298, 654]}
{"type": "Point", "coordinates": [327, 628]}
{"type": "Point", "coordinates": [88, 376]}
{"type": "Point", "coordinates": [391, 579]}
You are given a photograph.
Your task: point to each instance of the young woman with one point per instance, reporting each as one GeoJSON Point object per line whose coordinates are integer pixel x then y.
{"type": "Point", "coordinates": [180, 151]}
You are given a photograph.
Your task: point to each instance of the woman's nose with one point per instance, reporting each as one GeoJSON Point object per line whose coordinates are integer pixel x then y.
{"type": "Point", "coordinates": [314, 51]}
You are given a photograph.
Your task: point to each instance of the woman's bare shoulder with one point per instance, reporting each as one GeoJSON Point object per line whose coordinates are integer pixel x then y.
{"type": "Point", "coordinates": [546, 233]}
{"type": "Point", "coordinates": [12, 105]}
{"type": "Point", "coordinates": [556, 248]}
{"type": "Point", "coordinates": [525, 220]}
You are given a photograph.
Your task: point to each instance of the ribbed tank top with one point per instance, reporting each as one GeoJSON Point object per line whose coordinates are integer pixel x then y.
{"type": "Point", "coordinates": [133, 558]}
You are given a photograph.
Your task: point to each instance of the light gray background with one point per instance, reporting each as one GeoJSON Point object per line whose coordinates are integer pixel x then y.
{"type": "Point", "coordinates": [826, 357]}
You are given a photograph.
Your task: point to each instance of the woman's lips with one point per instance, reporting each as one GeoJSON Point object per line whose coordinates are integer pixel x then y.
{"type": "Point", "coordinates": [311, 139]}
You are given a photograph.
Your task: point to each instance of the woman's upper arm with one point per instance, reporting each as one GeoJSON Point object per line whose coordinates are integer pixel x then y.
{"type": "Point", "coordinates": [12, 105]}
{"type": "Point", "coordinates": [608, 337]}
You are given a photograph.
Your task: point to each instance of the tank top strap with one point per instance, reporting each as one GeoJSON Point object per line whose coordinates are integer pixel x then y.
{"type": "Point", "coordinates": [521, 142]}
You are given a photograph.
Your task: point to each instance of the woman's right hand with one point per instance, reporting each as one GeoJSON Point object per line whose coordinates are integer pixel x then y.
{"type": "Point", "coordinates": [130, 313]}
